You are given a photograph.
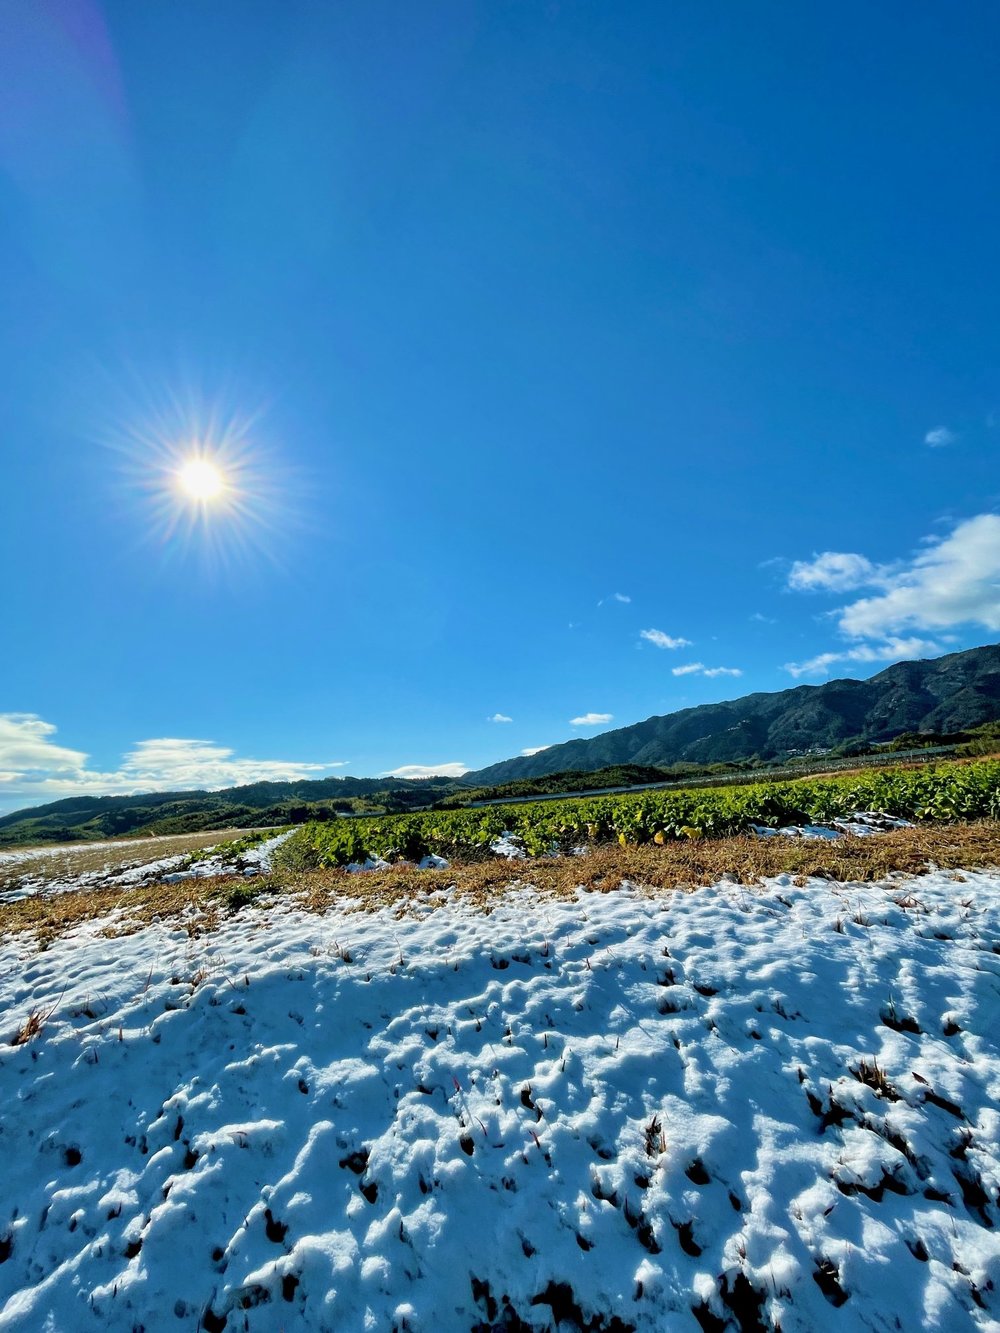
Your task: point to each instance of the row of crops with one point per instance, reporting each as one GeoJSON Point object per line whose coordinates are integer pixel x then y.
{"type": "Point", "coordinates": [943, 793]}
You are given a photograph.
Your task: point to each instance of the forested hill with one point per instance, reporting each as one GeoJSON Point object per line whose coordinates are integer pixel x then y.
{"type": "Point", "coordinates": [945, 694]}
{"type": "Point", "coordinates": [257, 804]}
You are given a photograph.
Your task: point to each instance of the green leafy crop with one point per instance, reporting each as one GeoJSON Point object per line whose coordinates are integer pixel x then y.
{"type": "Point", "coordinates": [942, 793]}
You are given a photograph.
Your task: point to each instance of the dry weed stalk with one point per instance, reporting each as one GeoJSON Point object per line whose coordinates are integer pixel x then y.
{"type": "Point", "coordinates": [33, 1025]}
{"type": "Point", "coordinates": [29, 1029]}
{"type": "Point", "coordinates": [869, 1073]}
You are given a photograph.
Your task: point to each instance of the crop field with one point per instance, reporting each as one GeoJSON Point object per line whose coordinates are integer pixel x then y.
{"type": "Point", "coordinates": [941, 793]}
{"type": "Point", "coordinates": [567, 1045]}
{"type": "Point", "coordinates": [766, 1104]}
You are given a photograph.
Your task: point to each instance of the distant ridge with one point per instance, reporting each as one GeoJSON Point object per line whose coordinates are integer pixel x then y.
{"type": "Point", "coordinates": [944, 694]}
{"type": "Point", "coordinates": [255, 804]}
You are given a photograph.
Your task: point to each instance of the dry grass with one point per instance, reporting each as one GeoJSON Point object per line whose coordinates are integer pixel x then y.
{"type": "Point", "coordinates": [195, 903]}
{"type": "Point", "coordinates": [198, 904]}
{"type": "Point", "coordinates": [679, 865]}
{"type": "Point", "coordinates": [33, 1026]}
{"type": "Point", "coordinates": [29, 1029]}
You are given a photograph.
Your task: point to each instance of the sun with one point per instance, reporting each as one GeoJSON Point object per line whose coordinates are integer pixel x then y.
{"type": "Point", "coordinates": [213, 485]}
{"type": "Point", "coordinates": [201, 480]}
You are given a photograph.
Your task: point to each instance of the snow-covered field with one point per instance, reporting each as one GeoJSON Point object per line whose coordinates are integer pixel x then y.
{"type": "Point", "coordinates": [25, 872]}
{"type": "Point", "coordinates": [730, 1109]}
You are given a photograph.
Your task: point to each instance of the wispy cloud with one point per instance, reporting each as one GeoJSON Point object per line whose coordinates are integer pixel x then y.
{"type": "Point", "coordinates": [761, 619]}
{"type": "Point", "coordinates": [940, 436]}
{"type": "Point", "coordinates": [616, 597]}
{"type": "Point", "coordinates": [499, 717]}
{"type": "Point", "coordinates": [591, 719]}
{"type": "Point", "coordinates": [661, 640]}
{"type": "Point", "coordinates": [950, 581]}
{"type": "Point", "coordinates": [699, 669]}
{"type": "Point", "coordinates": [26, 746]}
{"type": "Point", "coordinates": [451, 770]}
{"type": "Point", "coordinates": [178, 763]}
{"type": "Point", "coordinates": [893, 650]}
{"type": "Point", "coordinates": [34, 769]}
{"type": "Point", "coordinates": [834, 571]}
{"type": "Point", "coordinates": [534, 749]}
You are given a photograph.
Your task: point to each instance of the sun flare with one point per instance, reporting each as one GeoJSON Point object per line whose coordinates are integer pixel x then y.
{"type": "Point", "coordinates": [201, 480]}
{"type": "Point", "coordinates": [211, 480]}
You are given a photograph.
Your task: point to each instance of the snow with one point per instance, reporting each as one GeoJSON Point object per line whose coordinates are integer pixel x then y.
{"type": "Point", "coordinates": [253, 861]}
{"type": "Point", "coordinates": [508, 845]}
{"type": "Point", "coordinates": [863, 824]}
{"type": "Point", "coordinates": [772, 1105]}
{"type": "Point", "coordinates": [16, 855]}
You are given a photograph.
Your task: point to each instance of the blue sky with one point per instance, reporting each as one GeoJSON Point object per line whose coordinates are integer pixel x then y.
{"type": "Point", "coordinates": [556, 357]}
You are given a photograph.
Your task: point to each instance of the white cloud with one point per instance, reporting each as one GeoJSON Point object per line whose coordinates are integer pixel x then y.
{"type": "Point", "coordinates": [499, 717]}
{"type": "Point", "coordinates": [954, 582]}
{"type": "Point", "coordinates": [940, 436]}
{"type": "Point", "coordinates": [834, 571]}
{"type": "Point", "coordinates": [950, 581]}
{"type": "Point", "coordinates": [453, 770]}
{"type": "Point", "coordinates": [661, 640]}
{"type": "Point", "coordinates": [616, 597]}
{"type": "Point", "coordinates": [591, 719]}
{"type": "Point", "coordinates": [700, 669]}
{"type": "Point", "coordinates": [34, 770]}
{"type": "Point", "coordinates": [762, 619]}
{"type": "Point", "coordinates": [26, 747]}
{"type": "Point", "coordinates": [894, 650]}
{"type": "Point", "coordinates": [170, 763]}
{"type": "Point", "coordinates": [534, 749]}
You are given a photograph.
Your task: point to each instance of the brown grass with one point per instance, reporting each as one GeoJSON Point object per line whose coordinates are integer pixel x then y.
{"type": "Point", "coordinates": [679, 865]}
{"type": "Point", "coordinates": [198, 904]}
{"type": "Point", "coordinates": [29, 1029]}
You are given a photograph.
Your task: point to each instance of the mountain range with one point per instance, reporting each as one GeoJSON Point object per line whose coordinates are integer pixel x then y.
{"type": "Point", "coordinates": [945, 695]}
{"type": "Point", "coordinates": [942, 695]}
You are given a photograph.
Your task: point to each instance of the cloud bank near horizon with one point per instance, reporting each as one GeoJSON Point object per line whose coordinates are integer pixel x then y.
{"type": "Point", "coordinates": [35, 769]}
{"type": "Point", "coordinates": [453, 769]}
